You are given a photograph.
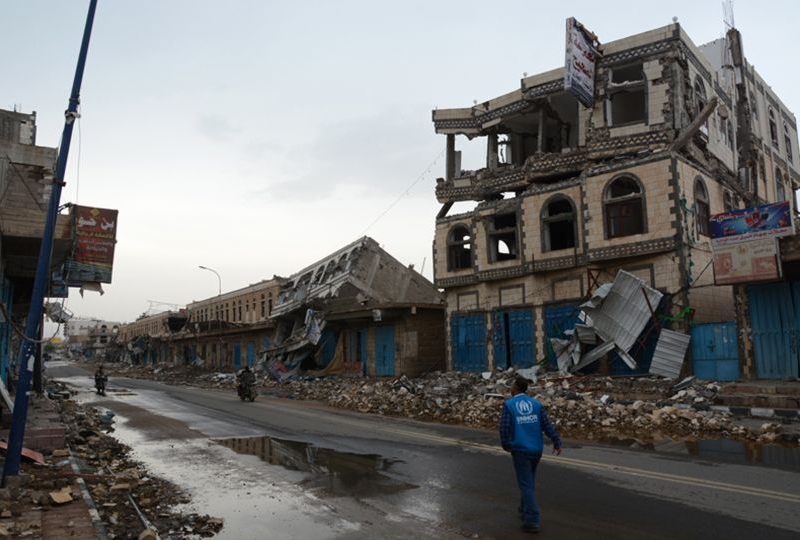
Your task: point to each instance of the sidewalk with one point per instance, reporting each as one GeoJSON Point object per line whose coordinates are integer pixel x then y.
{"type": "Point", "coordinates": [28, 507]}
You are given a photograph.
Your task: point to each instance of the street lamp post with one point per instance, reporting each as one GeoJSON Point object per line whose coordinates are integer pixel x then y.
{"type": "Point", "coordinates": [219, 279]}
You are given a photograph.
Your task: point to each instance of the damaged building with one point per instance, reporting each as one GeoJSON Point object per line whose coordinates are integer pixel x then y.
{"type": "Point", "coordinates": [26, 178]}
{"type": "Point", "coordinates": [357, 311]}
{"type": "Point", "coordinates": [574, 189]}
{"type": "Point", "coordinates": [226, 331]}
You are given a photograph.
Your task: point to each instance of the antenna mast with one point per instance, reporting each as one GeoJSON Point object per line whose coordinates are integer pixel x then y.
{"type": "Point", "coordinates": [727, 11]}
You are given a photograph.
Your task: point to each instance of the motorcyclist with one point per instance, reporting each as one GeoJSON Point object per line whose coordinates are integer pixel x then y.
{"type": "Point", "coordinates": [100, 379]}
{"type": "Point", "coordinates": [246, 378]}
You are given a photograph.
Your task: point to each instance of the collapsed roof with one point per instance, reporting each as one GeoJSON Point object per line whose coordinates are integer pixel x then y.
{"type": "Point", "coordinates": [358, 276]}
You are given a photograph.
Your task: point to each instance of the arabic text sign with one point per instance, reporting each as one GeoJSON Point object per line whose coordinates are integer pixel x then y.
{"type": "Point", "coordinates": [580, 64]}
{"type": "Point", "coordinates": [95, 237]}
{"type": "Point", "coordinates": [756, 260]}
{"type": "Point", "coordinates": [765, 221]}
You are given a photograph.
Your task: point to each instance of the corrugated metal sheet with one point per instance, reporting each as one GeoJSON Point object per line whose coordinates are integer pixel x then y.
{"type": "Point", "coordinates": [585, 334]}
{"type": "Point", "coordinates": [624, 312]}
{"type": "Point", "coordinates": [669, 354]}
{"type": "Point", "coordinates": [594, 355]}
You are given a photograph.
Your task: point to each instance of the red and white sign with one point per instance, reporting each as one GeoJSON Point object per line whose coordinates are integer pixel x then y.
{"type": "Point", "coordinates": [746, 262]}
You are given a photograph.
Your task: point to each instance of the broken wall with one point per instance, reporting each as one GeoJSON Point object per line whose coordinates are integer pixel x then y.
{"type": "Point", "coordinates": [710, 303]}
{"type": "Point", "coordinates": [421, 344]}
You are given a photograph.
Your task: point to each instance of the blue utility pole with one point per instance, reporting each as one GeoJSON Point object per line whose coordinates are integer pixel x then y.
{"type": "Point", "coordinates": [25, 359]}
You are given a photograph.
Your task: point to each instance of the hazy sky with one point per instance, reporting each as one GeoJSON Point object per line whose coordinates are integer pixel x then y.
{"type": "Point", "coordinates": [255, 137]}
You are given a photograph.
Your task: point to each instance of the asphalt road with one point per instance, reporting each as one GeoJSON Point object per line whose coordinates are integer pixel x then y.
{"type": "Point", "coordinates": [397, 478]}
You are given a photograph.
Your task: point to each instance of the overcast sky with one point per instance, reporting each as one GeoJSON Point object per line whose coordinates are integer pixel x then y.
{"type": "Point", "coordinates": [256, 137]}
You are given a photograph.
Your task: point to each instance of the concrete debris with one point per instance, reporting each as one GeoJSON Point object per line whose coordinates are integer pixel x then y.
{"type": "Point", "coordinates": [62, 496]}
{"type": "Point", "coordinates": [645, 408]}
{"type": "Point", "coordinates": [114, 480]}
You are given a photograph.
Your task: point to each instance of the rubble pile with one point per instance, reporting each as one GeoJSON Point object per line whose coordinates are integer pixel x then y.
{"type": "Point", "coordinates": [121, 487]}
{"type": "Point", "coordinates": [582, 407]}
{"type": "Point", "coordinates": [645, 408]}
{"type": "Point", "coordinates": [129, 501]}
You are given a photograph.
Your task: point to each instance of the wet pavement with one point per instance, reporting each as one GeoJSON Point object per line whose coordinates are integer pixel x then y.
{"type": "Point", "coordinates": [442, 483]}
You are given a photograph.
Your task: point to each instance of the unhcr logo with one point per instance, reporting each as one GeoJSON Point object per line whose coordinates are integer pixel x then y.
{"type": "Point", "coordinates": [524, 407]}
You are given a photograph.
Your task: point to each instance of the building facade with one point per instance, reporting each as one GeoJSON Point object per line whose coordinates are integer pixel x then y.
{"type": "Point", "coordinates": [225, 331]}
{"type": "Point", "coordinates": [26, 177]}
{"type": "Point", "coordinates": [569, 195]}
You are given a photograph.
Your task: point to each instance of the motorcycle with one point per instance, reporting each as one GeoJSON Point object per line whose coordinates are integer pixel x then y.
{"type": "Point", "coordinates": [247, 391]}
{"type": "Point", "coordinates": [100, 384]}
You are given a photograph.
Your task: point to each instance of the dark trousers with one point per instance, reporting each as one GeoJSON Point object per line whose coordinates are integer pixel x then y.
{"type": "Point", "coordinates": [525, 464]}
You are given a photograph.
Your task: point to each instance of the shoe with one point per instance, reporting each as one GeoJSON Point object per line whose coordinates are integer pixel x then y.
{"type": "Point", "coordinates": [533, 529]}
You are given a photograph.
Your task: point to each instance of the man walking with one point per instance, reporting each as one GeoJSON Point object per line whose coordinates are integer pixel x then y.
{"type": "Point", "coordinates": [522, 423]}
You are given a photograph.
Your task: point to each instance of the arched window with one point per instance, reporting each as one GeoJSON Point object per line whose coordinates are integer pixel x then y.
{"type": "Point", "coordinates": [623, 205]}
{"type": "Point", "coordinates": [558, 224]}
{"type": "Point", "coordinates": [702, 208]}
{"type": "Point", "coordinates": [780, 189]}
{"type": "Point", "coordinates": [787, 141]}
{"type": "Point", "coordinates": [459, 248]}
{"type": "Point", "coordinates": [700, 99]}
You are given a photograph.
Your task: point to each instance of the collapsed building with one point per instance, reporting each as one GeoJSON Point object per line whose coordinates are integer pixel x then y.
{"type": "Point", "coordinates": [576, 187]}
{"type": "Point", "coordinates": [357, 311]}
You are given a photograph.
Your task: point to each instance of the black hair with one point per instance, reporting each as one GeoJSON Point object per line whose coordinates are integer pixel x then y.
{"type": "Point", "coordinates": [521, 383]}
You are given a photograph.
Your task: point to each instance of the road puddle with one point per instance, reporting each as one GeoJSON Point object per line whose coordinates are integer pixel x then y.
{"type": "Point", "coordinates": [333, 472]}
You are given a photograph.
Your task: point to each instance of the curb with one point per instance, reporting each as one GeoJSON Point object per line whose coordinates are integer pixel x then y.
{"type": "Point", "coordinates": [758, 412]}
{"type": "Point", "coordinates": [97, 523]}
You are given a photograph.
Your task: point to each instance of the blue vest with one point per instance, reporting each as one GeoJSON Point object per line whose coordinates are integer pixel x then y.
{"type": "Point", "coordinates": [526, 432]}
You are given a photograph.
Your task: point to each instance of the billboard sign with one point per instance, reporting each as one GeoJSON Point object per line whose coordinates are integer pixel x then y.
{"type": "Point", "coordinates": [579, 66]}
{"type": "Point", "coordinates": [765, 221]}
{"type": "Point", "coordinates": [746, 262]}
{"type": "Point", "coordinates": [95, 232]}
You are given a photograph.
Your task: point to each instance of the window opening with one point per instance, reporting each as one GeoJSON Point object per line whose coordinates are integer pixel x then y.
{"type": "Point", "coordinates": [702, 208]}
{"type": "Point", "coordinates": [787, 141]}
{"type": "Point", "coordinates": [558, 225]}
{"type": "Point", "coordinates": [626, 96]}
{"type": "Point", "coordinates": [780, 190]}
{"type": "Point", "coordinates": [773, 128]}
{"type": "Point", "coordinates": [727, 201]}
{"type": "Point", "coordinates": [459, 248]}
{"type": "Point", "coordinates": [700, 101]}
{"type": "Point", "coordinates": [503, 237]}
{"type": "Point", "coordinates": [624, 208]}
{"type": "Point", "coordinates": [754, 106]}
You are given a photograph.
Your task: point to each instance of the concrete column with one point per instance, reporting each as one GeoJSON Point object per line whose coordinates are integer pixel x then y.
{"type": "Point", "coordinates": [450, 158]}
{"type": "Point", "coordinates": [540, 142]}
{"type": "Point", "coordinates": [491, 151]}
